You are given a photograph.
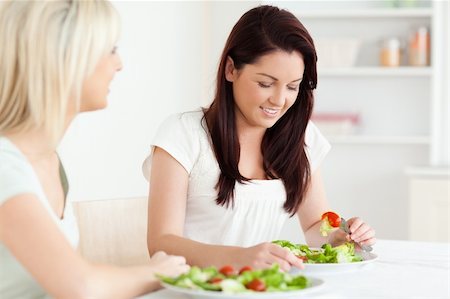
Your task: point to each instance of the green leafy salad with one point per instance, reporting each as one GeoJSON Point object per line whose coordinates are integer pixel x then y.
{"type": "Point", "coordinates": [344, 253]}
{"type": "Point", "coordinates": [228, 280]}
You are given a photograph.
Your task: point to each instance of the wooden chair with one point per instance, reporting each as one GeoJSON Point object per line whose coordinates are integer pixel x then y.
{"type": "Point", "coordinates": [113, 231]}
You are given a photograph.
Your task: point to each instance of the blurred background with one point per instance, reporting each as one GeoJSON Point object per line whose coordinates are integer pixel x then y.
{"type": "Point", "coordinates": [382, 101]}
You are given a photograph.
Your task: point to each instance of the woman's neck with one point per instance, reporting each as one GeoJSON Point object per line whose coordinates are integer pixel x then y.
{"type": "Point", "coordinates": [249, 134]}
{"type": "Point", "coordinates": [35, 145]}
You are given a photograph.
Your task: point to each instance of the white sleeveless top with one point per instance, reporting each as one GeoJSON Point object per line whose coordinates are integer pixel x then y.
{"type": "Point", "coordinates": [18, 177]}
{"type": "Point", "coordinates": [258, 214]}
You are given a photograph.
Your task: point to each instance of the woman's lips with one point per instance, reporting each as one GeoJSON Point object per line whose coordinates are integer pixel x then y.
{"type": "Point", "coordinates": [270, 111]}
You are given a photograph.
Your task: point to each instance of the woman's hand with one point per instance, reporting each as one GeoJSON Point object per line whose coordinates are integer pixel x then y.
{"type": "Point", "coordinates": [168, 265]}
{"type": "Point", "coordinates": [265, 254]}
{"type": "Point", "coordinates": [360, 232]}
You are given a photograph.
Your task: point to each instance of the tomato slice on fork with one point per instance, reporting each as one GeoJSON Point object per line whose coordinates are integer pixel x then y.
{"type": "Point", "coordinates": [333, 219]}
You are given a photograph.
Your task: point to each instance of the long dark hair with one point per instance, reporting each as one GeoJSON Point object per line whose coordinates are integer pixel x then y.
{"type": "Point", "coordinates": [258, 32]}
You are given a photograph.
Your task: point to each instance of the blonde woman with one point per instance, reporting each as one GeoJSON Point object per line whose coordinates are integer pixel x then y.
{"type": "Point", "coordinates": [57, 58]}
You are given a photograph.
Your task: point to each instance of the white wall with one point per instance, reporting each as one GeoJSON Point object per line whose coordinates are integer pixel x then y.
{"type": "Point", "coordinates": [221, 17]}
{"type": "Point", "coordinates": [162, 47]}
{"type": "Point", "coordinates": [440, 151]}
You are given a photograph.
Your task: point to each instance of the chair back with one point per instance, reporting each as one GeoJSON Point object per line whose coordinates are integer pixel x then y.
{"type": "Point", "coordinates": [113, 231]}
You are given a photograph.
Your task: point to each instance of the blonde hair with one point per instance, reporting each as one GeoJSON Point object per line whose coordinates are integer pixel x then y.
{"type": "Point", "coordinates": [47, 49]}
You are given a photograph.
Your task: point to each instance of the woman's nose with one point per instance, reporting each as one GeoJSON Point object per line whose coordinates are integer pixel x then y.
{"type": "Point", "coordinates": [278, 98]}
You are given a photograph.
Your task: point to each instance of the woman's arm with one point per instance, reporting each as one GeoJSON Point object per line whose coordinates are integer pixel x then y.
{"type": "Point", "coordinates": [166, 216]}
{"type": "Point", "coordinates": [36, 242]}
{"type": "Point", "coordinates": [310, 211]}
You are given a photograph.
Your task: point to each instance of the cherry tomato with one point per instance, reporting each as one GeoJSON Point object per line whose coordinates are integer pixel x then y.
{"type": "Point", "coordinates": [256, 285]}
{"type": "Point", "coordinates": [215, 280]}
{"type": "Point", "coordinates": [303, 257]}
{"type": "Point", "coordinates": [245, 268]}
{"type": "Point", "coordinates": [227, 270]}
{"type": "Point", "coordinates": [333, 219]}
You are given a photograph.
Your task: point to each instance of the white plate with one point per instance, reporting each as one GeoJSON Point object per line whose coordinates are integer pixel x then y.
{"type": "Point", "coordinates": [368, 259]}
{"type": "Point", "coordinates": [316, 284]}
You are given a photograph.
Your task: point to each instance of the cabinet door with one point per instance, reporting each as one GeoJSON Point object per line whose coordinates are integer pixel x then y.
{"type": "Point", "coordinates": [429, 209]}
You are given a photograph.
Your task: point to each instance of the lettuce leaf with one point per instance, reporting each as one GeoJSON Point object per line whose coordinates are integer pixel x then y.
{"type": "Point", "coordinates": [344, 253]}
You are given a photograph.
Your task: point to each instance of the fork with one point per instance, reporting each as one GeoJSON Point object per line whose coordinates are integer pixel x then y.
{"type": "Point", "coordinates": [344, 227]}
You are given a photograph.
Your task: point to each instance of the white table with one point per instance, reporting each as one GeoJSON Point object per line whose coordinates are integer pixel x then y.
{"type": "Point", "coordinates": [404, 269]}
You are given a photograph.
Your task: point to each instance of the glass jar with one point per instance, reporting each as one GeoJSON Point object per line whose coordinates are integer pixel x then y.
{"type": "Point", "coordinates": [391, 52]}
{"type": "Point", "coordinates": [419, 47]}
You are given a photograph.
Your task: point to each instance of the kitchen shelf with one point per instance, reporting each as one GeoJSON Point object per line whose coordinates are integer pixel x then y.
{"type": "Point", "coordinates": [380, 140]}
{"type": "Point", "coordinates": [403, 71]}
{"type": "Point", "coordinates": [428, 171]}
{"type": "Point", "coordinates": [367, 13]}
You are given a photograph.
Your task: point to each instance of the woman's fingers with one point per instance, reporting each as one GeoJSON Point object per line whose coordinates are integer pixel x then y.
{"type": "Point", "coordinates": [361, 231]}
{"type": "Point", "coordinates": [354, 224]}
{"type": "Point", "coordinates": [365, 232]}
{"type": "Point", "coordinates": [265, 255]}
{"type": "Point", "coordinates": [286, 258]}
{"type": "Point", "coordinates": [158, 254]}
{"type": "Point", "coordinates": [170, 265]}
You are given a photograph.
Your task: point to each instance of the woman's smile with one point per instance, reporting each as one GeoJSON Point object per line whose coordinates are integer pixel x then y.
{"type": "Point", "coordinates": [270, 112]}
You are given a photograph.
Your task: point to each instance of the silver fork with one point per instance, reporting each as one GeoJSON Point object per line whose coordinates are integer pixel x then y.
{"type": "Point", "coordinates": [344, 227]}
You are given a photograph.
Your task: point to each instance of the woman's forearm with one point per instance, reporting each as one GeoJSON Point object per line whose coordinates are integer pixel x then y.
{"type": "Point", "coordinates": [313, 236]}
{"type": "Point", "coordinates": [106, 281]}
{"type": "Point", "coordinates": [315, 239]}
{"type": "Point", "coordinates": [196, 253]}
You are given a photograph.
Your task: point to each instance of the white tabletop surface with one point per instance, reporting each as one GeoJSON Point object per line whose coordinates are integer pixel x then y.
{"type": "Point", "coordinates": [404, 269]}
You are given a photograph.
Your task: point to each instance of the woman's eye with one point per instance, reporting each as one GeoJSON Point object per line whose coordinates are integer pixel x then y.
{"type": "Point", "coordinates": [264, 85]}
{"type": "Point", "coordinates": [293, 88]}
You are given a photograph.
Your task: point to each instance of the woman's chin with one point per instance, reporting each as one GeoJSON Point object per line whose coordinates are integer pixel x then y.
{"type": "Point", "coordinates": [100, 105]}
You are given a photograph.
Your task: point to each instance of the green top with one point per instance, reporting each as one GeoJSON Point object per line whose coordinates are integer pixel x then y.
{"type": "Point", "coordinates": [64, 181]}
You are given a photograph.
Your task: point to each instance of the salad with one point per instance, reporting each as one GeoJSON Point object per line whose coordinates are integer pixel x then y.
{"type": "Point", "coordinates": [229, 280]}
{"type": "Point", "coordinates": [344, 253]}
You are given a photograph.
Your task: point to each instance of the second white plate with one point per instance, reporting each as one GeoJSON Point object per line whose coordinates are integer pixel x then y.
{"type": "Point", "coordinates": [368, 258]}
